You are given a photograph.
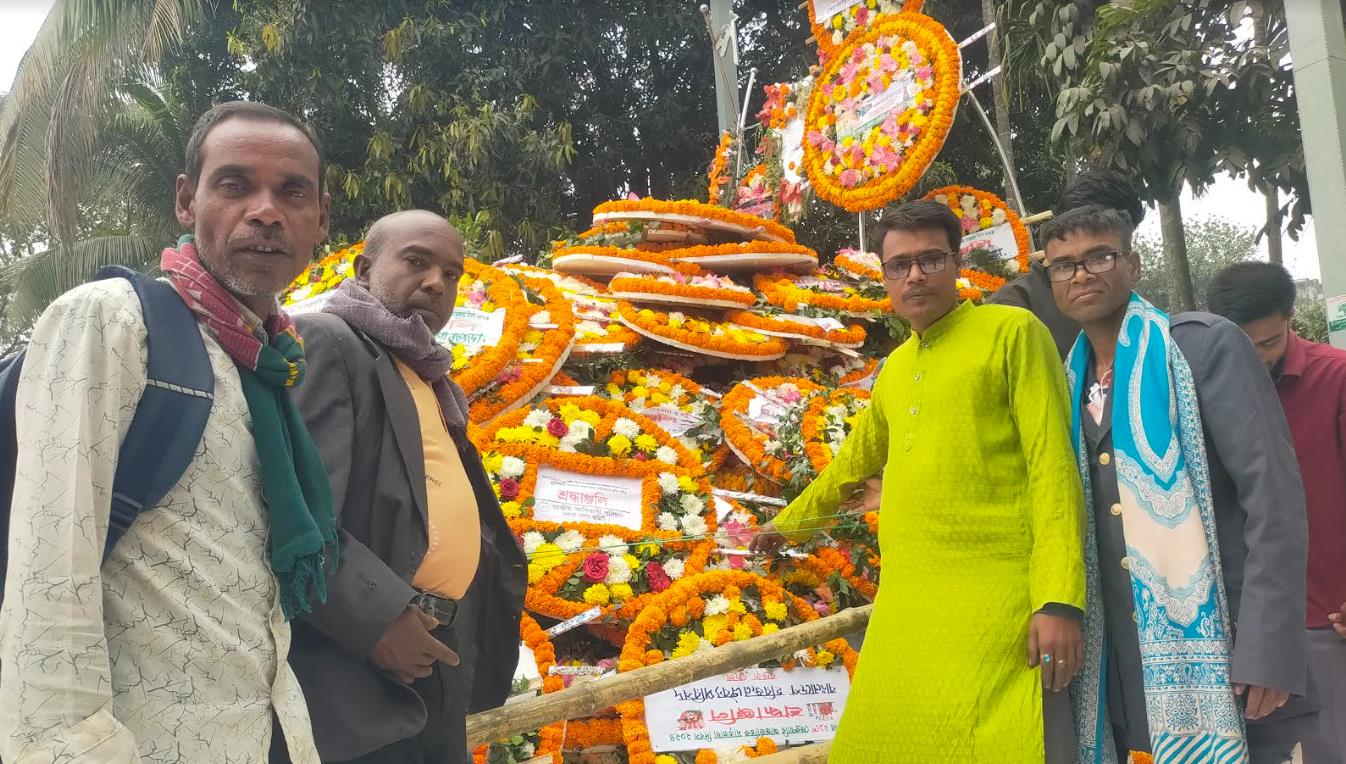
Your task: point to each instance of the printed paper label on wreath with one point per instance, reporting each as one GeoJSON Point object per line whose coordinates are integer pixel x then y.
{"type": "Point", "coordinates": [569, 497]}
{"type": "Point", "coordinates": [899, 96]}
{"type": "Point", "coordinates": [765, 412]}
{"type": "Point", "coordinates": [792, 151]}
{"type": "Point", "coordinates": [826, 9]}
{"type": "Point", "coordinates": [310, 304]}
{"type": "Point", "coordinates": [1336, 313]}
{"type": "Point", "coordinates": [473, 328]}
{"type": "Point", "coordinates": [799, 706]}
{"type": "Point", "coordinates": [673, 419]}
{"type": "Point", "coordinates": [999, 239]}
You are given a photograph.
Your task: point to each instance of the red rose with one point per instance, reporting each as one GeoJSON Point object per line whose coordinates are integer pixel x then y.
{"type": "Point", "coordinates": [641, 456]}
{"type": "Point", "coordinates": [596, 568]}
{"type": "Point", "coordinates": [658, 578]}
{"type": "Point", "coordinates": [509, 489]}
{"type": "Point", "coordinates": [557, 428]}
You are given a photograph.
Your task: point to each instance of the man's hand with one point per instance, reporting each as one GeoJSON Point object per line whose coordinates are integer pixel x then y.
{"type": "Point", "coordinates": [1338, 620]}
{"type": "Point", "coordinates": [1261, 700]}
{"type": "Point", "coordinates": [868, 498]}
{"type": "Point", "coordinates": [767, 540]}
{"type": "Point", "coordinates": [1055, 644]}
{"type": "Point", "coordinates": [408, 650]}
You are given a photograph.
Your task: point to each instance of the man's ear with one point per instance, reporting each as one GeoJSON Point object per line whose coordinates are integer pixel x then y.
{"type": "Point", "coordinates": [184, 203]}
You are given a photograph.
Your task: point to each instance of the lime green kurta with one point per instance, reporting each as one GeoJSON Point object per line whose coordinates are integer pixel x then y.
{"type": "Point", "coordinates": [981, 525]}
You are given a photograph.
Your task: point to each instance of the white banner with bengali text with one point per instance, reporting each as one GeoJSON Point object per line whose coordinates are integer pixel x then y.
{"type": "Point", "coordinates": [473, 328]}
{"type": "Point", "coordinates": [569, 497]}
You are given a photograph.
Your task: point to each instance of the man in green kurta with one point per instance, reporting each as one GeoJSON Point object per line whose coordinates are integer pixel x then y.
{"type": "Point", "coordinates": [981, 530]}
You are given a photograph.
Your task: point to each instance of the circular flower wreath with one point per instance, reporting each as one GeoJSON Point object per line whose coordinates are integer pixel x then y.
{"type": "Point", "coordinates": [708, 254]}
{"type": "Point", "coordinates": [828, 421]}
{"type": "Point", "coordinates": [605, 260]}
{"type": "Point", "coordinates": [545, 742]}
{"type": "Point", "coordinates": [701, 335]}
{"type": "Point", "coordinates": [760, 445]}
{"type": "Point", "coordinates": [704, 612]}
{"type": "Point", "coordinates": [830, 32]}
{"type": "Point", "coordinates": [569, 284]}
{"type": "Point", "coordinates": [792, 292]}
{"type": "Point", "coordinates": [859, 157]}
{"type": "Point", "coordinates": [664, 395]}
{"type": "Point", "coordinates": [980, 210]}
{"type": "Point", "coordinates": [599, 329]}
{"type": "Point", "coordinates": [691, 286]}
{"type": "Point", "coordinates": [323, 275]}
{"type": "Point", "coordinates": [693, 213]}
{"type": "Point", "coordinates": [487, 288]}
{"type": "Point", "coordinates": [799, 327]}
{"type": "Point", "coordinates": [543, 349]}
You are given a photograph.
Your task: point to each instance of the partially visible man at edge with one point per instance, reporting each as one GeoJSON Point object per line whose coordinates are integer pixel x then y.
{"type": "Point", "coordinates": [1196, 543]}
{"type": "Point", "coordinates": [430, 568]}
{"type": "Point", "coordinates": [1033, 291]}
{"type": "Point", "coordinates": [1311, 382]}
{"type": "Point", "coordinates": [173, 650]}
{"type": "Point", "coordinates": [984, 526]}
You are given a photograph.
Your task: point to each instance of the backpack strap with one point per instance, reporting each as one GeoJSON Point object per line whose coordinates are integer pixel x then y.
{"type": "Point", "coordinates": [171, 416]}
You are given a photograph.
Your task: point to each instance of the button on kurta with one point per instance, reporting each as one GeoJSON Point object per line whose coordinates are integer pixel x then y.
{"type": "Point", "coordinates": [1116, 510]}
{"type": "Point", "coordinates": [1126, 563]}
{"type": "Point", "coordinates": [913, 411]}
{"type": "Point", "coordinates": [1104, 459]}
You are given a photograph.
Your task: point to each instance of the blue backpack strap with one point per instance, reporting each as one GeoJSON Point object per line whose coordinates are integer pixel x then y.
{"type": "Point", "coordinates": [171, 416]}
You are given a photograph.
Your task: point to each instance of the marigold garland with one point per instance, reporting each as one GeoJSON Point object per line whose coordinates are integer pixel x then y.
{"type": "Point", "coordinates": [865, 266]}
{"type": "Point", "coordinates": [749, 225]}
{"type": "Point", "coordinates": [487, 289]}
{"type": "Point", "coordinates": [708, 252]}
{"type": "Point", "coordinates": [659, 393]}
{"type": "Point", "coordinates": [830, 31]}
{"type": "Point", "coordinates": [885, 158]}
{"type": "Point", "coordinates": [548, 739]}
{"type": "Point", "coordinates": [719, 165]}
{"type": "Point", "coordinates": [787, 325]}
{"type": "Point", "coordinates": [860, 264]}
{"type": "Point", "coordinates": [598, 328]}
{"type": "Point", "coordinates": [679, 622]}
{"type": "Point", "coordinates": [541, 353]}
{"type": "Point", "coordinates": [583, 734]}
{"type": "Point", "coordinates": [693, 288]}
{"type": "Point", "coordinates": [828, 420]}
{"type": "Point", "coordinates": [572, 259]}
{"type": "Point", "coordinates": [830, 368]}
{"type": "Point", "coordinates": [323, 275]}
{"type": "Point", "coordinates": [569, 284]}
{"type": "Point", "coordinates": [701, 335]}
{"type": "Point", "coordinates": [758, 446]}
{"type": "Point", "coordinates": [784, 290]}
{"type": "Point", "coordinates": [979, 210]}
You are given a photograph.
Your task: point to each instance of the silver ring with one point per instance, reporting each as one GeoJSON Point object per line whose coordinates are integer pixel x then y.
{"type": "Point", "coordinates": [1046, 659]}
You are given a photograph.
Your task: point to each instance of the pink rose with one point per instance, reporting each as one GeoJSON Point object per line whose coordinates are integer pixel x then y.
{"type": "Point", "coordinates": [557, 428]}
{"type": "Point", "coordinates": [822, 608]}
{"type": "Point", "coordinates": [509, 489]}
{"type": "Point", "coordinates": [659, 580]}
{"type": "Point", "coordinates": [596, 568]}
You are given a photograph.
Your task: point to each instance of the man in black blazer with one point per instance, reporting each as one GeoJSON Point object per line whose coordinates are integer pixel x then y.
{"type": "Point", "coordinates": [421, 623]}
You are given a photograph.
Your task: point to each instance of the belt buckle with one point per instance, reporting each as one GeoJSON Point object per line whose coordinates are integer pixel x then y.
{"type": "Point", "coordinates": [441, 609]}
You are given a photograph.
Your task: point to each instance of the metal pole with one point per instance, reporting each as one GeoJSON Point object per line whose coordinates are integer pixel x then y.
{"type": "Point", "coordinates": [719, 16]}
{"type": "Point", "coordinates": [861, 216]}
{"type": "Point", "coordinates": [1004, 159]}
{"type": "Point", "coordinates": [1318, 50]}
{"type": "Point", "coordinates": [742, 121]}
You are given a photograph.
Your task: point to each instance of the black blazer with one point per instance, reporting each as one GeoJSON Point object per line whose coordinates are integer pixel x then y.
{"type": "Point", "coordinates": [364, 422]}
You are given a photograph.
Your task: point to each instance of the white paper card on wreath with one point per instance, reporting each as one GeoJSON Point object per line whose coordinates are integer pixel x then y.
{"type": "Point", "coordinates": [765, 411]}
{"type": "Point", "coordinates": [569, 497]}
{"type": "Point", "coordinates": [309, 304]}
{"type": "Point", "coordinates": [899, 96]}
{"type": "Point", "coordinates": [792, 151]}
{"type": "Point", "coordinates": [799, 706]}
{"type": "Point", "coordinates": [473, 329]}
{"type": "Point", "coordinates": [998, 238]}
{"type": "Point", "coordinates": [673, 419]}
{"type": "Point", "coordinates": [826, 9]}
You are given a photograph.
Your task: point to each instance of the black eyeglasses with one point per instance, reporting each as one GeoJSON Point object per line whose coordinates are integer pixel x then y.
{"type": "Point", "coordinates": [1098, 262]}
{"type": "Point", "coordinates": [898, 268]}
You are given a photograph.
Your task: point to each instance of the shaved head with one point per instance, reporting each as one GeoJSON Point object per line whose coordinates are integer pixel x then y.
{"type": "Point", "coordinates": [411, 263]}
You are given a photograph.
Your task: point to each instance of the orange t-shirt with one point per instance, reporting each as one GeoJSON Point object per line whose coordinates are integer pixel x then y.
{"type": "Point", "coordinates": [454, 530]}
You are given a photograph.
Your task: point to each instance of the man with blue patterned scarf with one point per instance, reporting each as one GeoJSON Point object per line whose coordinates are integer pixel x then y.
{"type": "Point", "coordinates": [1196, 549]}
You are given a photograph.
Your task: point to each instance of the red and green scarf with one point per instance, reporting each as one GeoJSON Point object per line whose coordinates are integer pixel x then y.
{"type": "Point", "coordinates": [269, 355]}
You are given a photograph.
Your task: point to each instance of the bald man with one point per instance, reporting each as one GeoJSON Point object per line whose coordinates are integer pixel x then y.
{"type": "Point", "coordinates": [421, 624]}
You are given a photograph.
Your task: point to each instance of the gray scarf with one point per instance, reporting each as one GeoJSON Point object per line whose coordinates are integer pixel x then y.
{"type": "Point", "coordinates": [407, 338]}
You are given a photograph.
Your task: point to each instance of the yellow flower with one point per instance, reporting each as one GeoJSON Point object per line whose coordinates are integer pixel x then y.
{"type": "Point", "coordinates": [713, 625]}
{"type": "Point", "coordinates": [534, 336]}
{"type": "Point", "coordinates": [649, 549]}
{"type": "Point", "coordinates": [632, 561]}
{"type": "Point", "coordinates": [658, 398]}
{"type": "Point", "coordinates": [736, 606]}
{"type": "Point", "coordinates": [597, 595]}
{"type": "Point", "coordinates": [592, 417]}
{"type": "Point", "coordinates": [687, 484]}
{"type": "Point", "coordinates": [775, 610]}
{"type": "Point", "coordinates": [570, 412]}
{"type": "Point", "coordinates": [664, 758]}
{"type": "Point", "coordinates": [619, 445]}
{"type": "Point", "coordinates": [646, 442]}
{"type": "Point", "coordinates": [612, 389]}
{"type": "Point", "coordinates": [770, 628]}
{"type": "Point", "coordinates": [535, 573]}
{"type": "Point", "coordinates": [622, 592]}
{"type": "Point", "coordinates": [548, 556]}
{"type": "Point", "coordinates": [511, 509]}
{"type": "Point", "coordinates": [639, 392]}
{"type": "Point", "coordinates": [742, 632]}
{"type": "Point", "coordinates": [824, 658]}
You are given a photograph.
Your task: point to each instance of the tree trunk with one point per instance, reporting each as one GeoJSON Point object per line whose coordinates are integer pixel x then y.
{"type": "Point", "coordinates": [1273, 229]}
{"type": "Point", "coordinates": [1000, 89]}
{"type": "Point", "coordinates": [1175, 253]}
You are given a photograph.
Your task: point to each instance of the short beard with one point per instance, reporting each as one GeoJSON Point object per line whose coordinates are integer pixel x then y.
{"type": "Point", "coordinates": [393, 304]}
{"type": "Point", "coordinates": [234, 283]}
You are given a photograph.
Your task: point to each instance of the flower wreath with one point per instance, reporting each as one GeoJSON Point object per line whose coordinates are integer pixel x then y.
{"type": "Point", "coordinates": [860, 264]}
{"type": "Point", "coordinates": [981, 210]}
{"type": "Point", "coordinates": [701, 335]}
{"type": "Point", "coordinates": [707, 611]}
{"type": "Point", "coordinates": [830, 32]}
{"type": "Point", "coordinates": [719, 169]}
{"type": "Point", "coordinates": [599, 329]}
{"type": "Point", "coordinates": [543, 349]}
{"type": "Point", "coordinates": [755, 194]}
{"type": "Point", "coordinates": [828, 421]}
{"type": "Point", "coordinates": [487, 288]}
{"type": "Point", "coordinates": [569, 284]}
{"type": "Point", "coordinates": [975, 285]}
{"type": "Point", "coordinates": [676, 403]}
{"type": "Point", "coordinates": [799, 327]}
{"type": "Point", "coordinates": [578, 259]}
{"type": "Point", "coordinates": [792, 292]}
{"type": "Point", "coordinates": [709, 252]}
{"type": "Point", "coordinates": [782, 147]}
{"type": "Point", "coordinates": [825, 367]}
{"type": "Point", "coordinates": [865, 266]}
{"type": "Point", "coordinates": [760, 445]}
{"type": "Point", "coordinates": [826, 578]}
{"type": "Point", "coordinates": [859, 160]}
{"type": "Point", "coordinates": [693, 212]}
{"type": "Point", "coordinates": [691, 286]}
{"type": "Point", "coordinates": [545, 742]}
{"type": "Point", "coordinates": [323, 275]}
{"type": "Point", "coordinates": [583, 734]}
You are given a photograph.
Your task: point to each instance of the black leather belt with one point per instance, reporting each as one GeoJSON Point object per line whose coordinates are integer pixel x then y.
{"type": "Point", "coordinates": [441, 609]}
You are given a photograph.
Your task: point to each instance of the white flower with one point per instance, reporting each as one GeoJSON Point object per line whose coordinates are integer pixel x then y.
{"type": "Point", "coordinates": [838, 38]}
{"type": "Point", "coordinates": [667, 456]}
{"type": "Point", "coordinates": [531, 541]}
{"type": "Point", "coordinates": [668, 521]}
{"type": "Point", "coordinates": [537, 418]}
{"type": "Point", "coordinates": [836, 447]}
{"type": "Point", "coordinates": [541, 318]}
{"type": "Point", "coordinates": [674, 568]}
{"type": "Point", "coordinates": [570, 541]}
{"type": "Point", "coordinates": [692, 504]}
{"type": "Point", "coordinates": [694, 525]}
{"type": "Point", "coordinates": [668, 482]}
{"type": "Point", "coordinates": [511, 467]}
{"type": "Point", "coordinates": [717, 605]}
{"type": "Point", "coordinates": [618, 571]}
{"type": "Point", "coordinates": [624, 426]}
{"type": "Point", "coordinates": [526, 751]}
{"type": "Point", "coordinates": [838, 410]}
{"type": "Point", "coordinates": [677, 391]}
{"type": "Point", "coordinates": [612, 545]}
{"type": "Point", "coordinates": [997, 216]}
{"type": "Point", "coordinates": [704, 645]}
{"type": "Point", "coordinates": [569, 444]}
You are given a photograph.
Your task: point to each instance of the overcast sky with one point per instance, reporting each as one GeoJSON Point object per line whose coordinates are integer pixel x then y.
{"type": "Point", "coordinates": [1229, 197]}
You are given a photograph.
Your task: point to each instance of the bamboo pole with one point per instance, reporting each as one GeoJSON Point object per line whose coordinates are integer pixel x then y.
{"type": "Point", "coordinates": [589, 698]}
{"type": "Point", "coordinates": [807, 754]}
{"type": "Point", "coordinates": [1040, 217]}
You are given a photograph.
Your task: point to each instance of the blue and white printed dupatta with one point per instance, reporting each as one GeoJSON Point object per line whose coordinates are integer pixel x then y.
{"type": "Point", "coordinates": [1168, 520]}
